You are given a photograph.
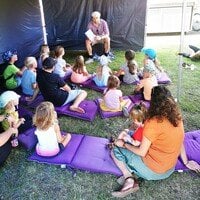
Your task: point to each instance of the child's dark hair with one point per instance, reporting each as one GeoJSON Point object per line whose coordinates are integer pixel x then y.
{"type": "Point", "coordinates": [139, 112]}
{"type": "Point", "coordinates": [132, 67]}
{"type": "Point", "coordinates": [129, 55]}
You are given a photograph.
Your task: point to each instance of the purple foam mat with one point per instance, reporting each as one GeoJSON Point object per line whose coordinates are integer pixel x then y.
{"type": "Point", "coordinates": [32, 104]}
{"type": "Point", "coordinates": [164, 78]}
{"type": "Point", "coordinates": [90, 153]}
{"type": "Point", "coordinates": [107, 114]}
{"type": "Point", "coordinates": [91, 85]}
{"type": "Point", "coordinates": [89, 106]}
{"type": "Point", "coordinates": [137, 98]}
{"type": "Point", "coordinates": [28, 139]}
{"type": "Point", "coordinates": [65, 157]}
{"type": "Point", "coordinates": [85, 153]}
{"type": "Point", "coordinates": [23, 111]}
{"type": "Point", "coordinates": [192, 147]}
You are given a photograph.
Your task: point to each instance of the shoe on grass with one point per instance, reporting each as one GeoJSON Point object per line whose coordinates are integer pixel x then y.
{"type": "Point", "coordinates": [90, 60]}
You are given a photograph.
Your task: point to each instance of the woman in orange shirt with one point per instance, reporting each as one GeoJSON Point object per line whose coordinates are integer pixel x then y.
{"type": "Point", "coordinates": [161, 145]}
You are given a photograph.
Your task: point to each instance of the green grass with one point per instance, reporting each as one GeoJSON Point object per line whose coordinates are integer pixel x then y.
{"type": "Point", "coordinates": [21, 179]}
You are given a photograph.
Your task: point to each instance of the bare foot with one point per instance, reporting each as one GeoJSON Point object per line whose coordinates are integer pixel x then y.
{"type": "Point", "coordinates": [77, 109]}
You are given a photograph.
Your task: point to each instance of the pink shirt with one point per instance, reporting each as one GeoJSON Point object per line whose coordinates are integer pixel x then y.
{"type": "Point", "coordinates": [101, 29]}
{"type": "Point", "coordinates": [112, 98]}
{"type": "Point", "coordinates": [79, 78]}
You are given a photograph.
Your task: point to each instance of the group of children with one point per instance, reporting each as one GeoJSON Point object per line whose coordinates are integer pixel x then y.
{"type": "Point", "coordinates": [50, 140]}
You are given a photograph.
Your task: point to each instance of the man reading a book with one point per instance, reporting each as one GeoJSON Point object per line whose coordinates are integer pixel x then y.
{"type": "Point", "coordinates": [98, 32]}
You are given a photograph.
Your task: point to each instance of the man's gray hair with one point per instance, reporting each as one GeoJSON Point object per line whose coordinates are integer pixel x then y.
{"type": "Point", "coordinates": [96, 14]}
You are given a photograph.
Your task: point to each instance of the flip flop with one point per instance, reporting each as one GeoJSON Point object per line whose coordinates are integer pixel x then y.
{"type": "Point", "coordinates": [123, 193]}
{"type": "Point", "coordinates": [77, 109]}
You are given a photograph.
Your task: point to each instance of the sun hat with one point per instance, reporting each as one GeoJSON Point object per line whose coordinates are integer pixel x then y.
{"type": "Point", "coordinates": [103, 60]}
{"type": "Point", "coordinates": [149, 67]}
{"type": "Point", "coordinates": [7, 55]}
{"type": "Point", "coordinates": [49, 63]}
{"type": "Point", "coordinates": [151, 53]}
{"type": "Point", "coordinates": [6, 97]}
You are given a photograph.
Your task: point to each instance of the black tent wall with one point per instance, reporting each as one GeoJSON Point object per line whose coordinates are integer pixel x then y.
{"type": "Point", "coordinates": [66, 21]}
{"type": "Point", "coordinates": [20, 27]}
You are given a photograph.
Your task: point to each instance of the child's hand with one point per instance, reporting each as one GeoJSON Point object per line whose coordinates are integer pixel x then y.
{"type": "Point", "coordinates": [21, 120]}
{"type": "Point", "coordinates": [119, 143]}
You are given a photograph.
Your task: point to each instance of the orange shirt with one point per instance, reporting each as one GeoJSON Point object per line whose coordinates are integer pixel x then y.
{"type": "Point", "coordinates": [166, 141]}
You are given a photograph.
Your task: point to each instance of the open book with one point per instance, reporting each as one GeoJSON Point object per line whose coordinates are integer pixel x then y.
{"type": "Point", "coordinates": [90, 35]}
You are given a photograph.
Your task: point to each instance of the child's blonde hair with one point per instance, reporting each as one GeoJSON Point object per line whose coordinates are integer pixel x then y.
{"type": "Point", "coordinates": [44, 116]}
{"type": "Point", "coordinates": [139, 112]}
{"type": "Point", "coordinates": [79, 64]}
{"type": "Point", "coordinates": [59, 50]}
{"type": "Point", "coordinates": [30, 61]}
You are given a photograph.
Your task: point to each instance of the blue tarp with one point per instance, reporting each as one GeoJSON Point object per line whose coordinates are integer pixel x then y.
{"type": "Point", "coordinates": [66, 23]}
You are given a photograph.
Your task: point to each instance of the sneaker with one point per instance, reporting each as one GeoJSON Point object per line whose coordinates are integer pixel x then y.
{"type": "Point", "coordinates": [90, 60]}
{"type": "Point", "coordinates": [125, 111]}
{"type": "Point", "coordinates": [195, 49]}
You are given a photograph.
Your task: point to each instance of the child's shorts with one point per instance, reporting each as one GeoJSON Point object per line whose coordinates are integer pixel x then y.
{"type": "Point", "coordinates": [72, 96]}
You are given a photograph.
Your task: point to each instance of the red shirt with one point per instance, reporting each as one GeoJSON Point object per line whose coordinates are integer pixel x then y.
{"type": "Point", "coordinates": [138, 134]}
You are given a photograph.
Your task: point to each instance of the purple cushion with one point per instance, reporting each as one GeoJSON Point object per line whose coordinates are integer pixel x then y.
{"type": "Point", "coordinates": [89, 106]}
{"type": "Point", "coordinates": [23, 111]}
{"type": "Point", "coordinates": [108, 114]}
{"type": "Point", "coordinates": [91, 84]}
{"type": "Point", "coordinates": [93, 155]}
{"type": "Point", "coordinates": [192, 147]}
{"type": "Point", "coordinates": [28, 139]}
{"type": "Point", "coordinates": [65, 157]}
{"type": "Point", "coordinates": [137, 98]}
{"type": "Point", "coordinates": [32, 104]}
{"type": "Point", "coordinates": [164, 78]}
{"type": "Point", "coordinates": [85, 153]}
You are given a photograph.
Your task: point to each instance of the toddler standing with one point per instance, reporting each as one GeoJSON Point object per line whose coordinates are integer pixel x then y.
{"type": "Point", "coordinates": [79, 71]}
{"type": "Point", "coordinates": [50, 140]}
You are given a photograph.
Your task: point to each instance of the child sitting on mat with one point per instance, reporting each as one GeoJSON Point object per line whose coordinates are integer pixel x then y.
{"type": "Point", "coordinates": [62, 68]}
{"type": "Point", "coordinates": [128, 73]}
{"type": "Point", "coordinates": [147, 83]}
{"type": "Point", "coordinates": [50, 139]}
{"type": "Point", "coordinates": [112, 99]}
{"type": "Point", "coordinates": [79, 71]}
{"type": "Point", "coordinates": [103, 72]}
{"type": "Point", "coordinates": [138, 116]}
{"type": "Point", "coordinates": [29, 85]}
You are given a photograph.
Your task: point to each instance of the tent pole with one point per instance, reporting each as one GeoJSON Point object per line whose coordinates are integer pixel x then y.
{"type": "Point", "coordinates": [184, 3]}
{"type": "Point", "coordinates": [43, 22]}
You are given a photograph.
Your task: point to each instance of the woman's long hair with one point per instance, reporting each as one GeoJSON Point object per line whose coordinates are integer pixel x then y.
{"type": "Point", "coordinates": [163, 105]}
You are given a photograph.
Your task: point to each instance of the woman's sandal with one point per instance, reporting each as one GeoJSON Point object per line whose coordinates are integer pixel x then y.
{"type": "Point", "coordinates": [125, 190]}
